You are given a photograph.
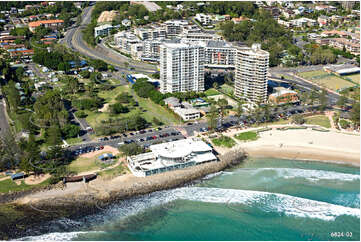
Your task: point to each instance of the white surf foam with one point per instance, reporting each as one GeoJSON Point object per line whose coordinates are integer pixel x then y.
{"type": "Point", "coordinates": [65, 236]}
{"type": "Point", "coordinates": [275, 202]}
{"type": "Point", "coordinates": [311, 175]}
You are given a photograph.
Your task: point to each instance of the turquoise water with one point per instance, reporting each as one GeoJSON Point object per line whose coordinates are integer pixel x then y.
{"type": "Point", "coordinates": [262, 199]}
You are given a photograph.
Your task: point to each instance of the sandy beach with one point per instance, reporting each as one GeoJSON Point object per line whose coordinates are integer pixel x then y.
{"type": "Point", "coordinates": [303, 144]}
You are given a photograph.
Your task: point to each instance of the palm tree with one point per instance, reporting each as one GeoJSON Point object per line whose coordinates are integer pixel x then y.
{"type": "Point", "coordinates": [222, 104]}
{"type": "Point", "coordinates": [239, 111]}
{"type": "Point", "coordinates": [212, 117]}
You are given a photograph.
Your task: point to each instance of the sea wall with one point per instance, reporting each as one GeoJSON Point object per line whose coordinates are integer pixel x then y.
{"type": "Point", "coordinates": [17, 218]}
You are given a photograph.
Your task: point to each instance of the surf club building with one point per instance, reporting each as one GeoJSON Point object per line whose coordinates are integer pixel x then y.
{"type": "Point", "coordinates": [171, 156]}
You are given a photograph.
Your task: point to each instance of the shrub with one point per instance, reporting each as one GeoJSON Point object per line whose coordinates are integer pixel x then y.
{"type": "Point", "coordinates": [81, 114]}
{"type": "Point", "coordinates": [298, 119]}
{"type": "Point", "coordinates": [344, 124]}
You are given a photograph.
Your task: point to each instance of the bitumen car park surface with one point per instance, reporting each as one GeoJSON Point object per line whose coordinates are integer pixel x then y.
{"type": "Point", "coordinates": [147, 137]}
{"type": "Point", "coordinates": [139, 137]}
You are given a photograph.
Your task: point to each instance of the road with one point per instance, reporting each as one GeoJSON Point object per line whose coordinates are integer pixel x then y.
{"type": "Point", "coordinates": [74, 40]}
{"type": "Point", "coordinates": [4, 125]}
{"type": "Point", "coordinates": [186, 130]}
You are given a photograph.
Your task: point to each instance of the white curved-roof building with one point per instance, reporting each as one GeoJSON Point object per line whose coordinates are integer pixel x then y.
{"type": "Point", "coordinates": [171, 155]}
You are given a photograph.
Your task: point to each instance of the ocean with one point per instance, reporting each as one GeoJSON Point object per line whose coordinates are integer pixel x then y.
{"type": "Point", "coordinates": [261, 199]}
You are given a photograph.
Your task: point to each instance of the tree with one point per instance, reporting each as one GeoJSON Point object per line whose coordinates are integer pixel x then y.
{"type": "Point", "coordinates": [215, 85]}
{"type": "Point", "coordinates": [53, 135]}
{"type": "Point", "coordinates": [323, 100]}
{"type": "Point", "coordinates": [118, 108]}
{"type": "Point", "coordinates": [131, 149]}
{"type": "Point", "coordinates": [10, 152]}
{"type": "Point", "coordinates": [99, 65]}
{"type": "Point", "coordinates": [123, 97]}
{"type": "Point", "coordinates": [157, 121]}
{"type": "Point", "coordinates": [341, 100]}
{"type": "Point", "coordinates": [355, 114]}
{"type": "Point", "coordinates": [239, 112]}
{"type": "Point", "coordinates": [70, 131]}
{"type": "Point", "coordinates": [222, 103]}
{"type": "Point", "coordinates": [85, 74]}
{"type": "Point", "coordinates": [212, 117]}
{"type": "Point", "coordinates": [298, 119]}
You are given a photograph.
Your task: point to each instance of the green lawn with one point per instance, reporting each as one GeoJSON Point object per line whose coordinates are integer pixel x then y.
{"type": "Point", "coordinates": [116, 171]}
{"type": "Point", "coordinates": [72, 141]}
{"type": "Point", "coordinates": [247, 136]}
{"type": "Point", "coordinates": [151, 109]}
{"type": "Point", "coordinates": [312, 74]}
{"type": "Point", "coordinates": [211, 92]}
{"type": "Point", "coordinates": [325, 79]}
{"type": "Point", "coordinates": [110, 95]}
{"type": "Point", "coordinates": [9, 185]}
{"type": "Point", "coordinates": [321, 120]}
{"type": "Point", "coordinates": [355, 78]}
{"type": "Point", "coordinates": [224, 141]}
{"type": "Point", "coordinates": [227, 89]}
{"type": "Point", "coordinates": [86, 164]}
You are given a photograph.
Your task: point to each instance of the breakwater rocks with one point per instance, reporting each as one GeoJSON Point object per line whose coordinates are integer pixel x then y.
{"type": "Point", "coordinates": [17, 220]}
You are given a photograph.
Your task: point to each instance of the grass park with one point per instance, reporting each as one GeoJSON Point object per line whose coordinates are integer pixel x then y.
{"type": "Point", "coordinates": [247, 136]}
{"type": "Point", "coordinates": [354, 78]}
{"type": "Point", "coordinates": [211, 92]}
{"type": "Point", "coordinates": [82, 164]}
{"type": "Point", "coordinates": [321, 120]}
{"type": "Point", "coordinates": [325, 79]}
{"type": "Point", "coordinates": [9, 185]}
{"type": "Point", "coordinates": [146, 108]}
{"type": "Point", "coordinates": [224, 141]}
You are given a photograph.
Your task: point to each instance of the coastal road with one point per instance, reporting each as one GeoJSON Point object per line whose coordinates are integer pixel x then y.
{"type": "Point", "coordinates": [74, 40]}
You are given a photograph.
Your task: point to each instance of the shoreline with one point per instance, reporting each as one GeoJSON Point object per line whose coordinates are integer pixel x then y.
{"type": "Point", "coordinates": [307, 154]}
{"type": "Point", "coordinates": [81, 199]}
{"type": "Point", "coordinates": [301, 144]}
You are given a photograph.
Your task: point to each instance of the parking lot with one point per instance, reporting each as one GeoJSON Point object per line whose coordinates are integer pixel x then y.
{"type": "Point", "coordinates": [144, 138]}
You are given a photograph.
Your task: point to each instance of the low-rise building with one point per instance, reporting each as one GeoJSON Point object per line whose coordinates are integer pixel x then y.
{"type": "Point", "coordinates": [353, 46]}
{"type": "Point", "coordinates": [126, 22]}
{"type": "Point", "coordinates": [171, 156]}
{"type": "Point", "coordinates": [188, 113]}
{"type": "Point", "coordinates": [53, 24]}
{"type": "Point", "coordinates": [323, 20]}
{"type": "Point", "coordinates": [282, 96]}
{"type": "Point", "coordinates": [172, 102]}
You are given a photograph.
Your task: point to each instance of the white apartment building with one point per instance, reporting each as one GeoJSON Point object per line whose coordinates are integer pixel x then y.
{"type": "Point", "coordinates": [152, 47]}
{"type": "Point", "coordinates": [204, 19]}
{"type": "Point", "coordinates": [102, 30]}
{"type": "Point", "coordinates": [124, 40]}
{"type": "Point", "coordinates": [200, 36]}
{"type": "Point", "coordinates": [175, 27]}
{"type": "Point", "coordinates": [251, 73]}
{"type": "Point", "coordinates": [150, 33]}
{"type": "Point", "coordinates": [181, 67]}
{"type": "Point", "coordinates": [219, 54]}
